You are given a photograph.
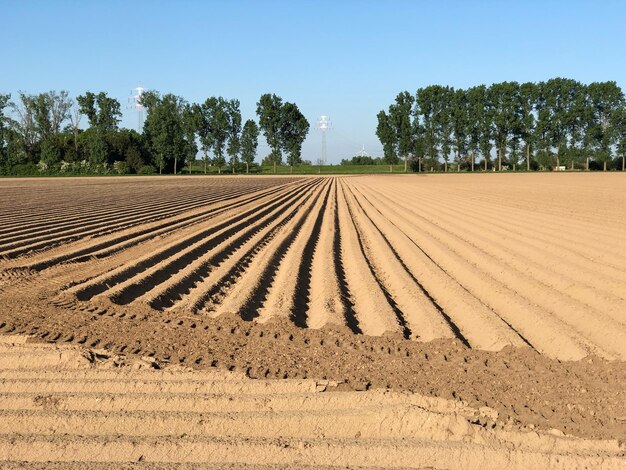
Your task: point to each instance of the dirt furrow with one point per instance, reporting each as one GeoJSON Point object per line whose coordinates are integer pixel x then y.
{"type": "Point", "coordinates": [125, 273]}
{"type": "Point", "coordinates": [423, 319]}
{"type": "Point", "coordinates": [64, 385]}
{"type": "Point", "coordinates": [605, 333]}
{"type": "Point", "coordinates": [588, 241]}
{"type": "Point", "coordinates": [86, 211]}
{"type": "Point", "coordinates": [326, 303]}
{"type": "Point", "coordinates": [527, 240]}
{"type": "Point", "coordinates": [164, 293]}
{"type": "Point", "coordinates": [290, 453]}
{"type": "Point", "coordinates": [88, 250]}
{"type": "Point", "coordinates": [541, 330]}
{"type": "Point", "coordinates": [374, 313]}
{"type": "Point", "coordinates": [205, 294]}
{"type": "Point", "coordinates": [289, 293]}
{"type": "Point", "coordinates": [105, 217]}
{"type": "Point", "coordinates": [475, 321]}
{"type": "Point", "coordinates": [13, 250]}
{"type": "Point", "coordinates": [587, 285]}
{"type": "Point", "coordinates": [278, 401]}
{"type": "Point", "coordinates": [248, 295]}
{"type": "Point", "coordinates": [197, 255]}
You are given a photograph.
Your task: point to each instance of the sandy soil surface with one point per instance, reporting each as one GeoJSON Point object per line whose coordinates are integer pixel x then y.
{"type": "Point", "coordinates": [78, 407]}
{"type": "Point", "coordinates": [499, 291]}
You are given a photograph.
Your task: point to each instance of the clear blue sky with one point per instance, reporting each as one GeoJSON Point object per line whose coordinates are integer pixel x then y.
{"type": "Point", "coordinates": [347, 59]}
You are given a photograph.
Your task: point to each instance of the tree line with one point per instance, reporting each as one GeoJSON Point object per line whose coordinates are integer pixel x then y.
{"type": "Point", "coordinates": [44, 133]}
{"type": "Point", "coordinates": [557, 123]}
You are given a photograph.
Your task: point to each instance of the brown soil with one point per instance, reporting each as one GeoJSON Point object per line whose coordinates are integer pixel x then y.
{"type": "Point", "coordinates": [80, 407]}
{"type": "Point", "coordinates": [506, 291]}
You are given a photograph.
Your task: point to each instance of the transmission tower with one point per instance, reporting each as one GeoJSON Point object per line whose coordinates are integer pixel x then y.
{"type": "Point", "coordinates": [323, 124]}
{"type": "Point", "coordinates": [134, 102]}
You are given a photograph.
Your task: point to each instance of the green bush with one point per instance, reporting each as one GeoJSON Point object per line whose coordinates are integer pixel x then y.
{"type": "Point", "coordinates": [121, 168]}
{"type": "Point", "coordinates": [27, 169]}
{"type": "Point", "coordinates": [146, 170]}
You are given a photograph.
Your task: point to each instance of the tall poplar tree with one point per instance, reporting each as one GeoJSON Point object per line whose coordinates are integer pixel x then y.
{"type": "Point", "coordinates": [4, 134]}
{"type": "Point", "coordinates": [234, 131]}
{"type": "Point", "coordinates": [103, 114]}
{"type": "Point", "coordinates": [460, 125]}
{"type": "Point", "coordinates": [268, 110]}
{"type": "Point", "coordinates": [400, 119]}
{"type": "Point", "coordinates": [443, 98]}
{"type": "Point", "coordinates": [387, 136]}
{"type": "Point", "coordinates": [479, 125]}
{"type": "Point", "coordinates": [249, 142]}
{"type": "Point", "coordinates": [164, 130]}
{"type": "Point", "coordinates": [219, 124]}
{"type": "Point", "coordinates": [504, 100]}
{"type": "Point", "coordinates": [424, 111]}
{"type": "Point", "coordinates": [607, 100]}
{"type": "Point", "coordinates": [202, 117]}
{"type": "Point", "coordinates": [526, 120]}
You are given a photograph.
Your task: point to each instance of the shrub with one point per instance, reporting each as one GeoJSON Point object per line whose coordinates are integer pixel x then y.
{"type": "Point", "coordinates": [28, 169]}
{"type": "Point", "coordinates": [121, 168]}
{"type": "Point", "coordinates": [147, 170]}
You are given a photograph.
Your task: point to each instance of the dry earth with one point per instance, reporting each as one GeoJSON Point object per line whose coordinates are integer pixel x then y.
{"type": "Point", "coordinates": [81, 408]}
{"type": "Point", "coordinates": [505, 291]}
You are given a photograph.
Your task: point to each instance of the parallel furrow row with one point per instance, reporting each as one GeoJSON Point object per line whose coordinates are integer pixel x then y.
{"type": "Point", "coordinates": [193, 245]}
{"type": "Point", "coordinates": [126, 239]}
{"type": "Point", "coordinates": [102, 226]}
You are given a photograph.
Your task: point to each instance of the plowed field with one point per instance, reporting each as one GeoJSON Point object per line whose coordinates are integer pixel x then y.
{"type": "Point", "coordinates": [503, 290]}
{"type": "Point", "coordinates": [66, 408]}
{"type": "Point", "coordinates": [381, 256]}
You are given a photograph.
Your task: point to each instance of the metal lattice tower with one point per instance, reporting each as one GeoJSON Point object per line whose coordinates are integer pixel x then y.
{"type": "Point", "coordinates": [134, 102]}
{"type": "Point", "coordinates": [323, 124]}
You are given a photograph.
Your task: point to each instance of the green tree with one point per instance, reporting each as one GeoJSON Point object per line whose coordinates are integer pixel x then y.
{"type": "Point", "coordinates": [163, 130]}
{"type": "Point", "coordinates": [202, 120]}
{"type": "Point", "coordinates": [400, 119]}
{"type": "Point", "coordinates": [503, 98]}
{"type": "Point", "coordinates": [4, 133]}
{"type": "Point", "coordinates": [269, 111]}
{"type": "Point", "coordinates": [620, 129]}
{"type": "Point", "coordinates": [39, 118]}
{"type": "Point", "coordinates": [526, 120]}
{"type": "Point", "coordinates": [249, 142]}
{"type": "Point", "coordinates": [558, 103]}
{"type": "Point", "coordinates": [607, 100]}
{"type": "Point", "coordinates": [543, 127]}
{"type": "Point", "coordinates": [574, 122]}
{"type": "Point", "coordinates": [442, 119]}
{"type": "Point", "coordinates": [102, 111]}
{"type": "Point", "coordinates": [190, 129]}
{"type": "Point", "coordinates": [234, 131]}
{"type": "Point", "coordinates": [423, 115]}
{"type": "Point", "coordinates": [126, 145]}
{"type": "Point", "coordinates": [418, 143]}
{"type": "Point", "coordinates": [460, 125]}
{"type": "Point", "coordinates": [479, 124]}
{"type": "Point", "coordinates": [51, 151]}
{"type": "Point", "coordinates": [219, 127]}
{"type": "Point", "coordinates": [103, 114]}
{"type": "Point", "coordinates": [387, 136]}
{"type": "Point", "coordinates": [294, 128]}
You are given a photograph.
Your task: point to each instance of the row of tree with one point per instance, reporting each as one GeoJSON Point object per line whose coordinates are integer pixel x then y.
{"type": "Point", "coordinates": [556, 123]}
{"type": "Point", "coordinates": [45, 130]}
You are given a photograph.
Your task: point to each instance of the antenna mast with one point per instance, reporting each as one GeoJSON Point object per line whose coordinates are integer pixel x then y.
{"type": "Point", "coordinates": [323, 124]}
{"type": "Point", "coordinates": [134, 102]}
